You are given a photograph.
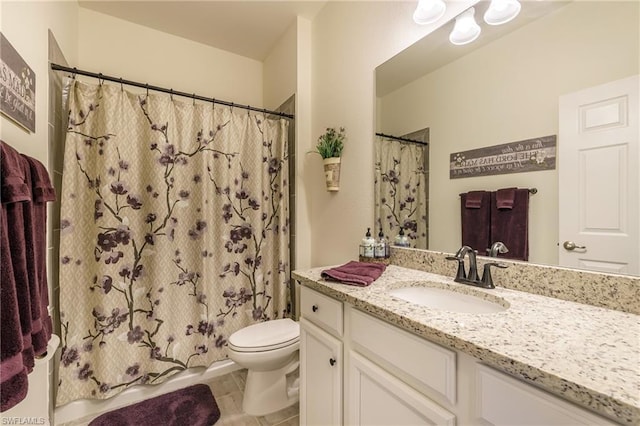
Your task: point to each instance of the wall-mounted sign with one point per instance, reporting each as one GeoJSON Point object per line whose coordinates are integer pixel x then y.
{"type": "Point", "coordinates": [530, 155]}
{"type": "Point", "coordinates": [17, 87]}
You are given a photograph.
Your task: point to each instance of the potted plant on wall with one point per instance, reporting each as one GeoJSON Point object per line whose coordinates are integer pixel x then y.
{"type": "Point", "coordinates": [330, 146]}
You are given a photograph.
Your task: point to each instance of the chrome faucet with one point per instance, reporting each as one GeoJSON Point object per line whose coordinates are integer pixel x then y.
{"type": "Point", "coordinates": [497, 247]}
{"type": "Point", "coordinates": [470, 276]}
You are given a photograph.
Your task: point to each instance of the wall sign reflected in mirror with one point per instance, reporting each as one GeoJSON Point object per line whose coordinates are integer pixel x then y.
{"type": "Point", "coordinates": [531, 155]}
{"type": "Point", "coordinates": [506, 86]}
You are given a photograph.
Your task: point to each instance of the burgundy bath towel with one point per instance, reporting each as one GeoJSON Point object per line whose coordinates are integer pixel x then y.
{"type": "Point", "coordinates": [15, 340]}
{"type": "Point", "coordinates": [13, 373]}
{"type": "Point", "coordinates": [193, 406]}
{"type": "Point", "coordinates": [476, 219]}
{"type": "Point", "coordinates": [355, 273]}
{"type": "Point", "coordinates": [511, 225]}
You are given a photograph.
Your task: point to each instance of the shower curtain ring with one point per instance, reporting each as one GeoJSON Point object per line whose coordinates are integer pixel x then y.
{"type": "Point", "coordinates": [194, 99]}
{"type": "Point", "coordinates": [100, 79]}
{"type": "Point", "coordinates": [121, 86]}
{"type": "Point", "coordinates": [146, 85]}
{"type": "Point", "coordinates": [75, 71]}
{"type": "Point", "coordinates": [171, 94]}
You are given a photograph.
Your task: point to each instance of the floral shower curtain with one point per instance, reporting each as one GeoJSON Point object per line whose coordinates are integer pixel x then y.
{"type": "Point", "coordinates": [174, 234]}
{"type": "Point", "coordinates": [401, 190]}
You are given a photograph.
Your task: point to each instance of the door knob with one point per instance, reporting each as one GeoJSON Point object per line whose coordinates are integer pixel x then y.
{"type": "Point", "coordinates": [570, 245]}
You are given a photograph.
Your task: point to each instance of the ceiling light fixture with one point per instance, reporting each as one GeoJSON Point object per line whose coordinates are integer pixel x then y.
{"type": "Point", "coordinates": [501, 11]}
{"type": "Point", "coordinates": [466, 28]}
{"type": "Point", "coordinates": [429, 11]}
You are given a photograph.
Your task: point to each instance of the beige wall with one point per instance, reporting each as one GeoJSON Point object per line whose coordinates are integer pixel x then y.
{"type": "Point", "coordinates": [26, 25]}
{"type": "Point", "coordinates": [116, 47]}
{"type": "Point", "coordinates": [287, 71]}
{"type": "Point", "coordinates": [280, 69]}
{"type": "Point", "coordinates": [349, 40]}
{"type": "Point", "coordinates": [508, 91]}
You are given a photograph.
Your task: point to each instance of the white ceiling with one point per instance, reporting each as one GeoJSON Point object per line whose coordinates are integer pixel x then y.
{"type": "Point", "coordinates": [247, 28]}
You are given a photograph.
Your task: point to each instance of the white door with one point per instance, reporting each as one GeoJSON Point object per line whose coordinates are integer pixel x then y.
{"type": "Point", "coordinates": [320, 377]}
{"type": "Point", "coordinates": [599, 182]}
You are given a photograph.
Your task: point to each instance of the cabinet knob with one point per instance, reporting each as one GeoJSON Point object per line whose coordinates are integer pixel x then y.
{"type": "Point", "coordinates": [332, 361]}
{"type": "Point", "coordinates": [314, 308]}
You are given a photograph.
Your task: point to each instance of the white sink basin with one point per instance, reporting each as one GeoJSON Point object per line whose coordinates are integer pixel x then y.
{"type": "Point", "coordinates": [447, 300]}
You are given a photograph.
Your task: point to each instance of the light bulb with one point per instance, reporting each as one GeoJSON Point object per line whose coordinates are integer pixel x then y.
{"type": "Point", "coordinates": [429, 11]}
{"type": "Point", "coordinates": [502, 11]}
{"type": "Point", "coordinates": [466, 28]}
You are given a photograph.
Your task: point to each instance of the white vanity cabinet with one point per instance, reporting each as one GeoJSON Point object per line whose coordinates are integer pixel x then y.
{"type": "Point", "coordinates": [394, 377]}
{"type": "Point", "coordinates": [321, 359]}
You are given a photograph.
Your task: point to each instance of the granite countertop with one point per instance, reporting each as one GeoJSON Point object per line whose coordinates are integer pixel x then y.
{"type": "Point", "coordinates": [586, 354]}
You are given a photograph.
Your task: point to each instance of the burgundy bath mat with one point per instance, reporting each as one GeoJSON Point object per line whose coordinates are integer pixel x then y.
{"type": "Point", "coordinates": [193, 406]}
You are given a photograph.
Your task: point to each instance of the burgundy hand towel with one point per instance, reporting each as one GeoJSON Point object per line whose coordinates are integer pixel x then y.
{"type": "Point", "coordinates": [43, 192]}
{"type": "Point", "coordinates": [474, 199]}
{"type": "Point", "coordinates": [511, 226]}
{"type": "Point", "coordinates": [355, 273]}
{"type": "Point", "coordinates": [476, 222]}
{"type": "Point", "coordinates": [505, 198]}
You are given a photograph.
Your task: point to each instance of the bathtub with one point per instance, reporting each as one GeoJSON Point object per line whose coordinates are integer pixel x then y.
{"type": "Point", "coordinates": [93, 407]}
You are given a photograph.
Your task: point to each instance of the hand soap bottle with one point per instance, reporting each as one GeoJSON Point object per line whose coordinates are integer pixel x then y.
{"type": "Point", "coordinates": [380, 251]}
{"type": "Point", "coordinates": [401, 239]}
{"type": "Point", "coordinates": [367, 246]}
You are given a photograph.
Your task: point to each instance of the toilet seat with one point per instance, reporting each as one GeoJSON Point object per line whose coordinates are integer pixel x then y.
{"type": "Point", "coordinates": [266, 336]}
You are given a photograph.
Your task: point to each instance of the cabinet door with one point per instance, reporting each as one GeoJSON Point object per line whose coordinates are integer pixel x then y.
{"type": "Point", "coordinates": [378, 398]}
{"type": "Point", "coordinates": [320, 377]}
{"type": "Point", "coordinates": [505, 401]}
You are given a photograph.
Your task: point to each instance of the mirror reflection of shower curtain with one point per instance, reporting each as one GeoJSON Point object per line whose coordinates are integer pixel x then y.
{"type": "Point", "coordinates": [401, 190]}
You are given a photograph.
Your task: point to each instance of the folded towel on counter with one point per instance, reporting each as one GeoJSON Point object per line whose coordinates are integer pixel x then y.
{"type": "Point", "coordinates": [474, 199]}
{"type": "Point", "coordinates": [505, 198]}
{"type": "Point", "coordinates": [355, 273]}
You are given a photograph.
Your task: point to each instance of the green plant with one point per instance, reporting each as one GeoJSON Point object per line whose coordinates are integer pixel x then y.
{"type": "Point", "coordinates": [331, 143]}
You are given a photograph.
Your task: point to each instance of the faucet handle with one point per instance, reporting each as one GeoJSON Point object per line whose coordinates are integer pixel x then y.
{"type": "Point", "coordinates": [460, 273]}
{"type": "Point", "coordinates": [487, 281]}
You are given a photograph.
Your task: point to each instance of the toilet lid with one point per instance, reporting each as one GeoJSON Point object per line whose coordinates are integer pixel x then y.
{"type": "Point", "coordinates": [266, 335]}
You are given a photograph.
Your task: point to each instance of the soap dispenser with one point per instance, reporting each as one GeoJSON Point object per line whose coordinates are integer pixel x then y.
{"type": "Point", "coordinates": [381, 246]}
{"type": "Point", "coordinates": [401, 239]}
{"type": "Point", "coordinates": [367, 245]}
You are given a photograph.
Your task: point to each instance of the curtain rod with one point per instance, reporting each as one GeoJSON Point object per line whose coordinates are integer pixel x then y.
{"type": "Point", "coordinates": [100, 76]}
{"type": "Point", "coordinates": [398, 138]}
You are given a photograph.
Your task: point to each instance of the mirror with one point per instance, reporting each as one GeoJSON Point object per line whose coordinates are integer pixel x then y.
{"type": "Point", "coordinates": [502, 88]}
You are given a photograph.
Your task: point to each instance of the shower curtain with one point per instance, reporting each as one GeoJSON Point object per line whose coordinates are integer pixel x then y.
{"type": "Point", "coordinates": [174, 234]}
{"type": "Point", "coordinates": [401, 190]}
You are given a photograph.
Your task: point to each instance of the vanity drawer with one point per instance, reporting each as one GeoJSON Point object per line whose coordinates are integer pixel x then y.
{"type": "Point", "coordinates": [428, 367]}
{"type": "Point", "coordinates": [321, 310]}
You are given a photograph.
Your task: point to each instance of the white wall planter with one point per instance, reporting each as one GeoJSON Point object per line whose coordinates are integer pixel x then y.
{"type": "Point", "coordinates": [332, 173]}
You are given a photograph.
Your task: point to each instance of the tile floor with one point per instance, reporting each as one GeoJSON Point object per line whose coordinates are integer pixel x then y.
{"type": "Point", "coordinates": [228, 391]}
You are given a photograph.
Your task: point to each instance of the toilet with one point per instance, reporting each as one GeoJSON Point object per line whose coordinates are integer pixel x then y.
{"type": "Point", "coordinates": [269, 351]}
